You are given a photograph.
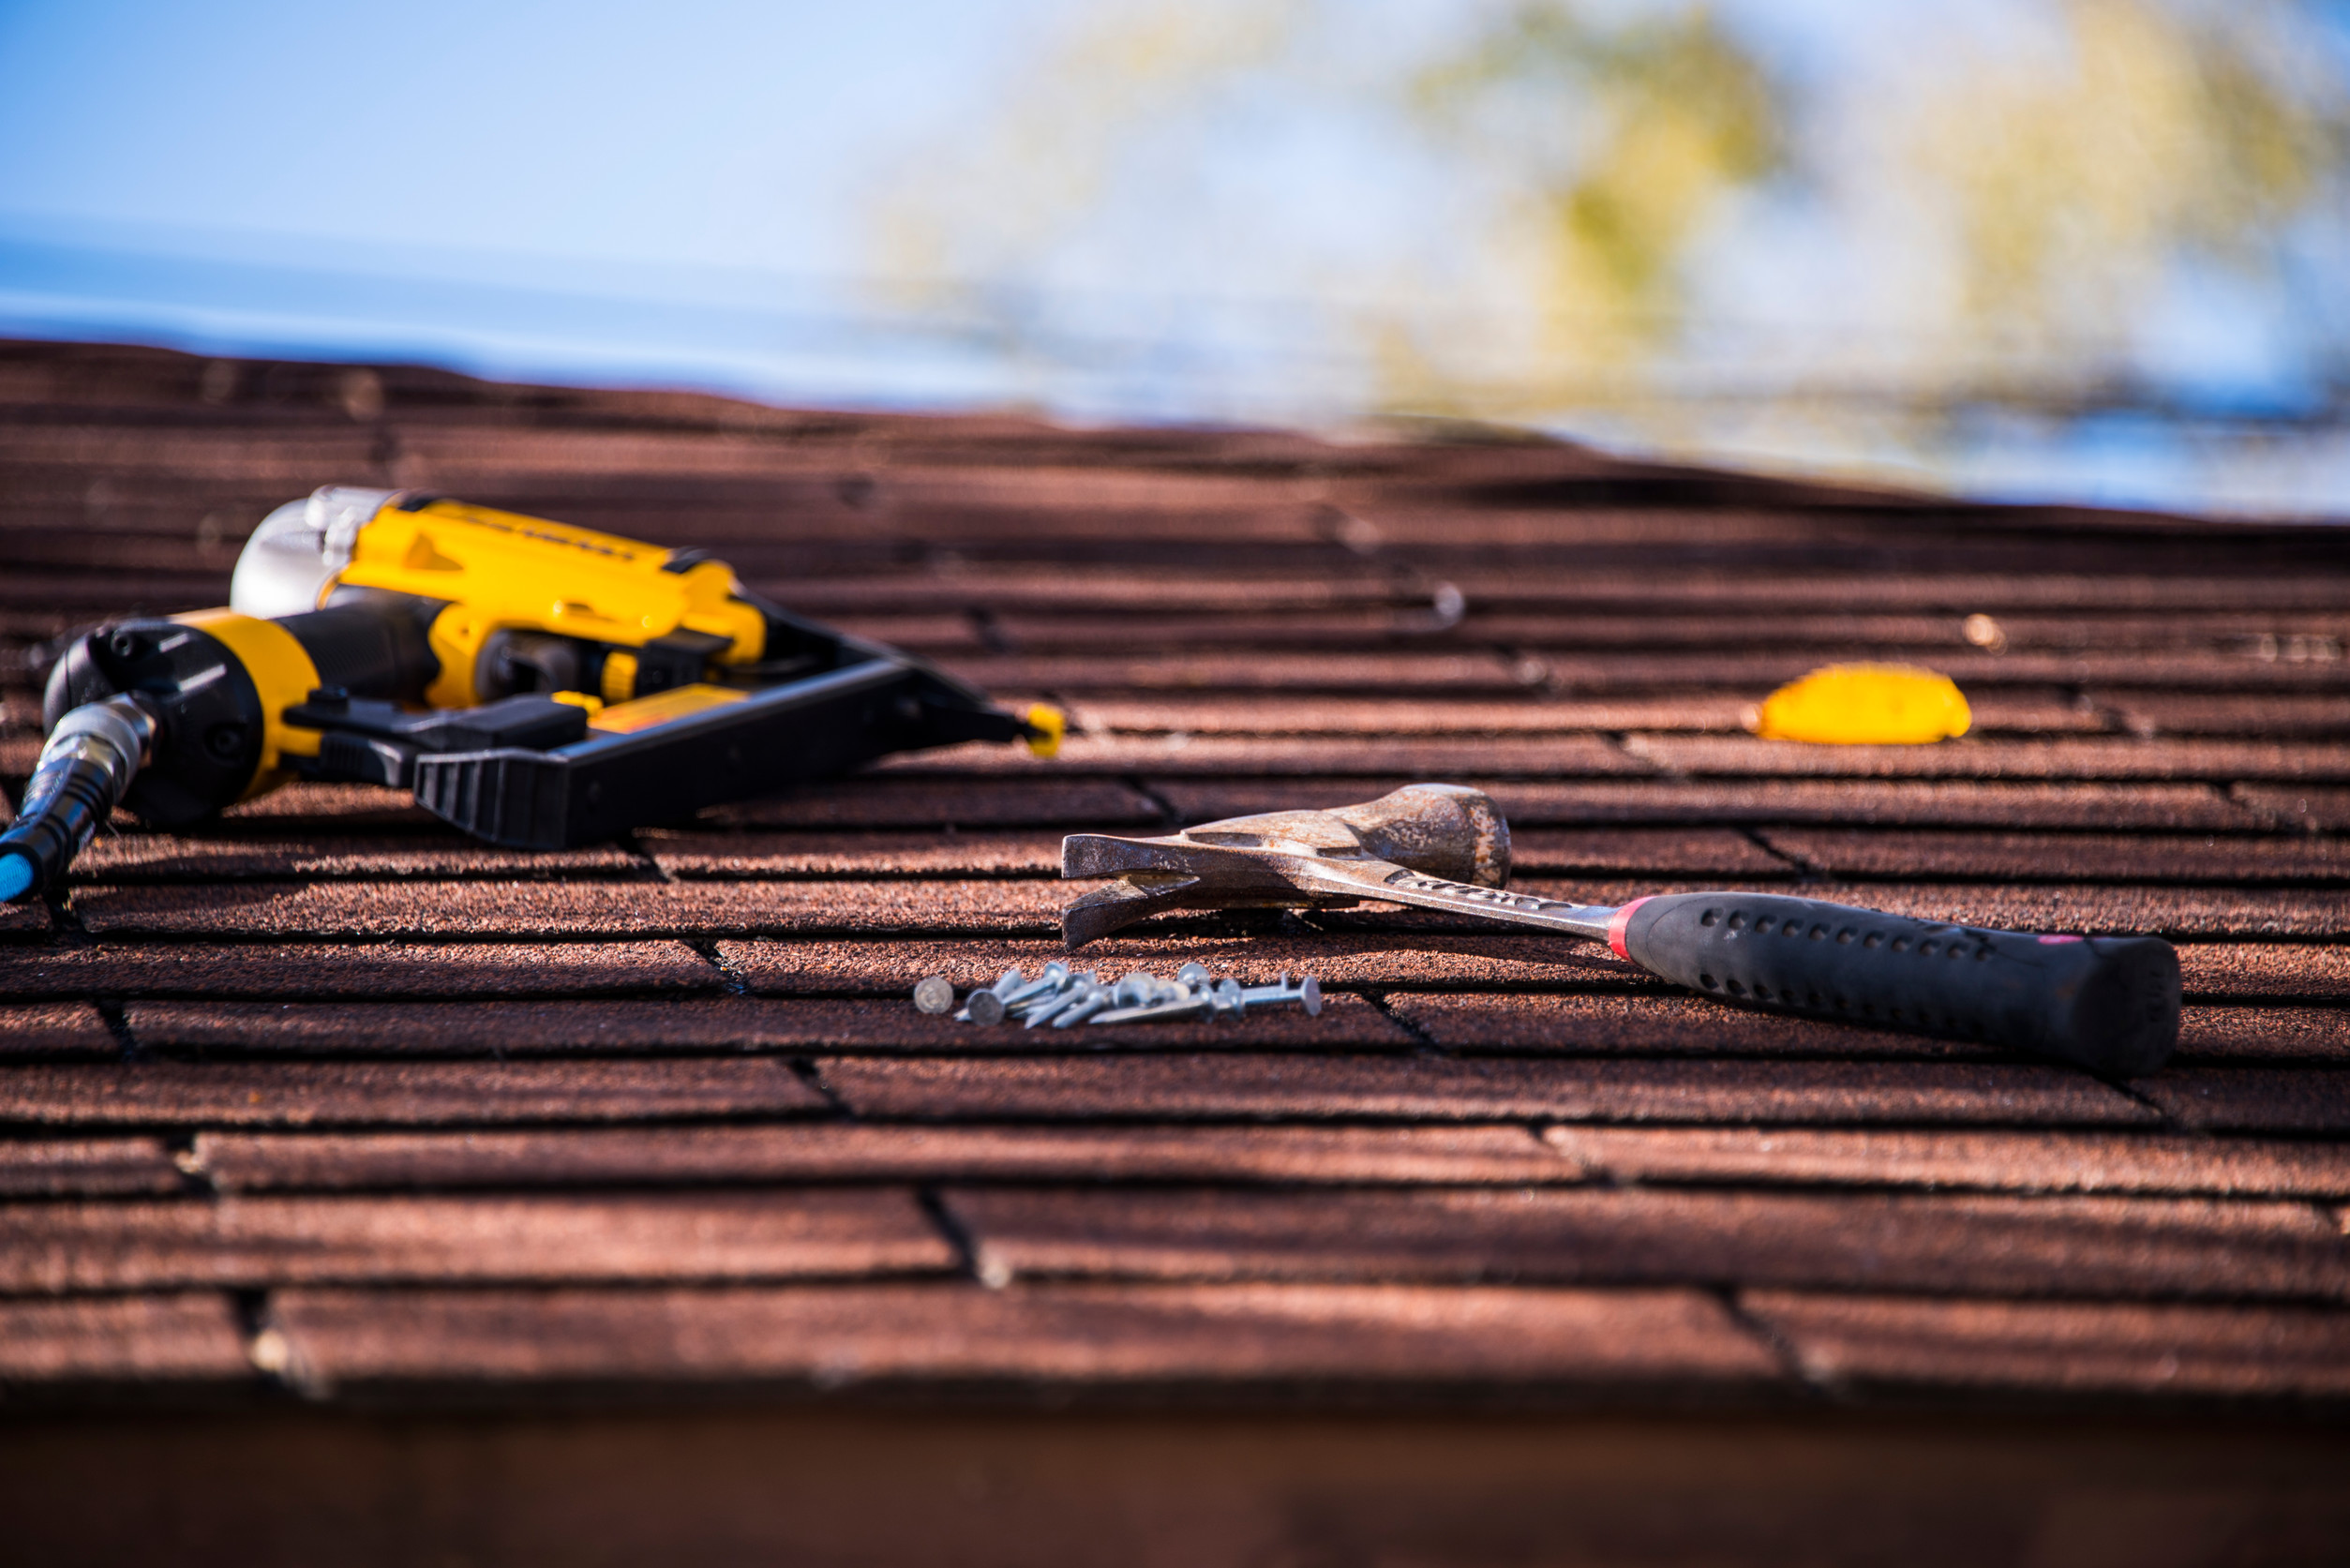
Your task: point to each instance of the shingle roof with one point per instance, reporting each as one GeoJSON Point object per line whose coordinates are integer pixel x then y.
{"type": "Point", "coordinates": [328, 1097]}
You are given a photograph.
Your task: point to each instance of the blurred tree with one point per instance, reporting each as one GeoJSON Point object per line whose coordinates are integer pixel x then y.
{"type": "Point", "coordinates": [979, 220]}
{"type": "Point", "coordinates": [1618, 143]}
{"type": "Point", "coordinates": [1618, 196]}
{"type": "Point", "coordinates": [2135, 138]}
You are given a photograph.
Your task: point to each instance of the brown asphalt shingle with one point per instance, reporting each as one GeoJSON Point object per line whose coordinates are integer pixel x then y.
{"type": "Point", "coordinates": [155, 1338]}
{"type": "Point", "coordinates": [398, 1093]}
{"type": "Point", "coordinates": [326, 1095]}
{"type": "Point", "coordinates": [272, 969]}
{"type": "Point", "coordinates": [844, 1151]}
{"type": "Point", "coordinates": [1220, 1335]}
{"type": "Point", "coordinates": [260, 1241]}
{"type": "Point", "coordinates": [1403, 1087]}
{"type": "Point", "coordinates": [2015, 1346]}
{"type": "Point", "coordinates": [2096, 1246]}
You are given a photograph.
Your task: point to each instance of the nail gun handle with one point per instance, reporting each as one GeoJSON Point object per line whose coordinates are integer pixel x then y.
{"type": "Point", "coordinates": [2108, 1004]}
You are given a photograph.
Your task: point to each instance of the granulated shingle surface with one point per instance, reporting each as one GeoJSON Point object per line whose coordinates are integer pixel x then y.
{"type": "Point", "coordinates": [237, 1094]}
{"type": "Point", "coordinates": [54, 1030]}
{"type": "Point", "coordinates": [255, 1240]}
{"type": "Point", "coordinates": [2024, 856]}
{"type": "Point", "coordinates": [2039, 1345]}
{"type": "Point", "coordinates": [157, 1337]}
{"type": "Point", "coordinates": [1949, 1157]}
{"type": "Point", "coordinates": [1441, 1088]}
{"type": "Point", "coordinates": [2317, 807]}
{"type": "Point", "coordinates": [325, 1096]}
{"type": "Point", "coordinates": [88, 1167]}
{"type": "Point", "coordinates": [1877, 801]}
{"type": "Point", "coordinates": [1212, 1334]}
{"type": "Point", "coordinates": [272, 969]}
{"type": "Point", "coordinates": [853, 1151]}
{"type": "Point", "coordinates": [2041, 1246]}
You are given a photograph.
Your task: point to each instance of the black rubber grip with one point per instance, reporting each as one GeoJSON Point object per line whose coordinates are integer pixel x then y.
{"type": "Point", "coordinates": [371, 645]}
{"type": "Point", "coordinates": [2109, 1004]}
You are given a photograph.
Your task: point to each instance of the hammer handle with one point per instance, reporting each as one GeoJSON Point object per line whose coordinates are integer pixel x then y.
{"type": "Point", "coordinates": [2108, 1004]}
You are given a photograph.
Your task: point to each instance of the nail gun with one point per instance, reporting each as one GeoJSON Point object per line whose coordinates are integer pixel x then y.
{"type": "Point", "coordinates": [535, 684]}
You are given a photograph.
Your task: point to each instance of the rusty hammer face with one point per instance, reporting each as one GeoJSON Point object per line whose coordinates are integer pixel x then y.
{"type": "Point", "coordinates": [1443, 834]}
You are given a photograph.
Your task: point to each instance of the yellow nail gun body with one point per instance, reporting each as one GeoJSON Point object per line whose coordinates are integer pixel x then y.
{"type": "Point", "coordinates": [501, 574]}
{"type": "Point", "coordinates": [534, 683]}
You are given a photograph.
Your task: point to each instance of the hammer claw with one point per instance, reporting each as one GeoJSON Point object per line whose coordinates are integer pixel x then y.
{"type": "Point", "coordinates": [1116, 907]}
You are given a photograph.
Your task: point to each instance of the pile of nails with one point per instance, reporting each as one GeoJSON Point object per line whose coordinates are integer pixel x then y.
{"type": "Point", "coordinates": [1063, 1000]}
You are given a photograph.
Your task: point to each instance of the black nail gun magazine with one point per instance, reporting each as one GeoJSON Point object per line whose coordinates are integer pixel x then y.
{"type": "Point", "coordinates": [535, 684]}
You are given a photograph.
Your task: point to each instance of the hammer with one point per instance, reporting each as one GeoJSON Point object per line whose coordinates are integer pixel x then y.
{"type": "Point", "coordinates": [2109, 1004]}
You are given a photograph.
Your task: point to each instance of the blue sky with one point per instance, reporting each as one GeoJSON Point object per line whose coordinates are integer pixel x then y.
{"type": "Point", "coordinates": [685, 195]}
{"type": "Point", "coordinates": [692, 133]}
{"type": "Point", "coordinates": [570, 191]}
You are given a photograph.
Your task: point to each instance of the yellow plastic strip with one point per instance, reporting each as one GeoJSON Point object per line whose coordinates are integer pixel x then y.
{"type": "Point", "coordinates": [1866, 705]}
{"type": "Point", "coordinates": [627, 718]}
{"type": "Point", "coordinates": [1053, 721]}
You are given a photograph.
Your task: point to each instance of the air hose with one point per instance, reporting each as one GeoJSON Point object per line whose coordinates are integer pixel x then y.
{"type": "Point", "coordinates": [88, 762]}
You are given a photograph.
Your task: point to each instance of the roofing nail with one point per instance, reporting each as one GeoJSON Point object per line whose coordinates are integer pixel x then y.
{"type": "Point", "coordinates": [1100, 1001]}
{"type": "Point", "coordinates": [1055, 973]}
{"type": "Point", "coordinates": [1042, 1002]}
{"type": "Point", "coordinates": [1083, 992]}
{"type": "Point", "coordinates": [1194, 976]}
{"type": "Point", "coordinates": [1308, 993]}
{"type": "Point", "coordinates": [1006, 983]}
{"type": "Point", "coordinates": [1051, 1001]}
{"type": "Point", "coordinates": [983, 1007]}
{"type": "Point", "coordinates": [1187, 1006]}
{"type": "Point", "coordinates": [1137, 987]}
{"type": "Point", "coordinates": [934, 994]}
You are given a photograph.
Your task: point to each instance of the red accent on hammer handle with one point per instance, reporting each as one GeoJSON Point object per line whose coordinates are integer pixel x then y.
{"type": "Point", "coordinates": [1616, 923]}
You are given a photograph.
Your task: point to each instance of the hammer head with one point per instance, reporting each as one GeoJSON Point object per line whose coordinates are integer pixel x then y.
{"type": "Point", "coordinates": [1246, 862]}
